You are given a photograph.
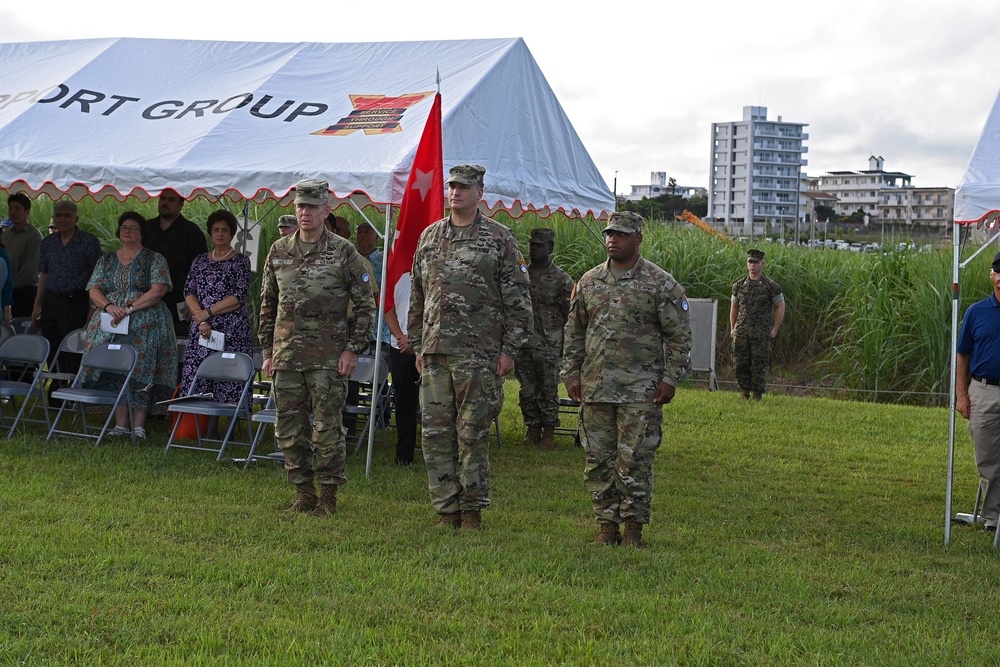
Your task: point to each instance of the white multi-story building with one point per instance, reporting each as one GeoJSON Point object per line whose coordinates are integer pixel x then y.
{"type": "Point", "coordinates": [861, 190]}
{"type": "Point", "coordinates": [659, 185]}
{"type": "Point", "coordinates": [756, 171]}
{"type": "Point", "coordinates": [887, 196]}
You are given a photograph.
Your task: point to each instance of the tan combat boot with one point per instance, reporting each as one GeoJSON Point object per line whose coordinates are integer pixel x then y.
{"type": "Point", "coordinates": [471, 521]}
{"type": "Point", "coordinates": [452, 520]}
{"type": "Point", "coordinates": [548, 438]}
{"type": "Point", "coordinates": [633, 535]}
{"type": "Point", "coordinates": [533, 436]}
{"type": "Point", "coordinates": [305, 501]}
{"type": "Point", "coordinates": [609, 535]}
{"type": "Point", "coordinates": [327, 500]}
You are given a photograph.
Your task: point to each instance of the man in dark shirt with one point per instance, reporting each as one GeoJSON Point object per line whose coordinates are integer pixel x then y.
{"type": "Point", "coordinates": [22, 241]}
{"type": "Point", "coordinates": [179, 240]}
{"type": "Point", "coordinates": [66, 260]}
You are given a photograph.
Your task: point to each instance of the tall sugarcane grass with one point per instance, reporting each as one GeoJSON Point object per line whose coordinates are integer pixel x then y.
{"type": "Point", "coordinates": [876, 326]}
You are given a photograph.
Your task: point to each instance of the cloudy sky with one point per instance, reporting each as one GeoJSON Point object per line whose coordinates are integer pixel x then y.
{"type": "Point", "coordinates": [642, 81]}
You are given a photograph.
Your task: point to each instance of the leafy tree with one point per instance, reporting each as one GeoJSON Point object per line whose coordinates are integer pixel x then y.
{"type": "Point", "coordinates": [824, 213]}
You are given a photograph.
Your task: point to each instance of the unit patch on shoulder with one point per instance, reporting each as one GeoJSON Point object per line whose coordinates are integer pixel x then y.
{"type": "Point", "coordinates": [684, 304]}
{"type": "Point", "coordinates": [524, 267]}
{"type": "Point", "coordinates": [365, 278]}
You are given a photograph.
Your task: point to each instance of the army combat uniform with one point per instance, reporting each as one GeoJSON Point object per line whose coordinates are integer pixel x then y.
{"type": "Point", "coordinates": [624, 336]}
{"type": "Point", "coordinates": [538, 362]}
{"type": "Point", "coordinates": [303, 331]}
{"type": "Point", "coordinates": [752, 343]}
{"type": "Point", "coordinates": [469, 304]}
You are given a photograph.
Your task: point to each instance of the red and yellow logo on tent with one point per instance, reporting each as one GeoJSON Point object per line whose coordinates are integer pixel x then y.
{"type": "Point", "coordinates": [375, 114]}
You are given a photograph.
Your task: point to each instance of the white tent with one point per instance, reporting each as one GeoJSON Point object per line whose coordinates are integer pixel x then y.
{"type": "Point", "coordinates": [977, 206]}
{"type": "Point", "coordinates": [977, 198]}
{"type": "Point", "coordinates": [119, 117]}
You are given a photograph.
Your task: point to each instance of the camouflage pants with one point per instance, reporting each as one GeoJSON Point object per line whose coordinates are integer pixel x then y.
{"type": "Point", "coordinates": [620, 441]}
{"type": "Point", "coordinates": [751, 357]}
{"type": "Point", "coordinates": [460, 398]}
{"type": "Point", "coordinates": [537, 369]}
{"type": "Point", "coordinates": [319, 449]}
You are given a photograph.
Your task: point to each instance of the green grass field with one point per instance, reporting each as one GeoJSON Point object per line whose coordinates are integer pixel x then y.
{"type": "Point", "coordinates": [800, 531]}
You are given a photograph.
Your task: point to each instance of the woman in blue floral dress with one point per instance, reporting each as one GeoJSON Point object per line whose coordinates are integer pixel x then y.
{"type": "Point", "coordinates": [215, 294]}
{"type": "Point", "coordinates": [131, 281]}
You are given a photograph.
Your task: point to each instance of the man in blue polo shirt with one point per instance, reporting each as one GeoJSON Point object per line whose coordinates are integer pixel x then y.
{"type": "Point", "coordinates": [977, 389]}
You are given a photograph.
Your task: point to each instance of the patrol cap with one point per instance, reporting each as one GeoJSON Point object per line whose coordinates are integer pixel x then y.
{"type": "Point", "coordinates": [996, 262]}
{"type": "Point", "coordinates": [627, 222]}
{"type": "Point", "coordinates": [754, 255]}
{"type": "Point", "coordinates": [467, 174]}
{"type": "Point", "coordinates": [312, 192]}
{"type": "Point", "coordinates": [286, 221]}
{"type": "Point", "coordinates": [543, 235]}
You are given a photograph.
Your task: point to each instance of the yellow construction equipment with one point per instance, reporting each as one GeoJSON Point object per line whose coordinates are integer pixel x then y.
{"type": "Point", "coordinates": [688, 216]}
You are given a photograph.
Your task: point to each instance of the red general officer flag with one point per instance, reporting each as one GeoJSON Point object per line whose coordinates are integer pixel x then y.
{"type": "Point", "coordinates": [423, 201]}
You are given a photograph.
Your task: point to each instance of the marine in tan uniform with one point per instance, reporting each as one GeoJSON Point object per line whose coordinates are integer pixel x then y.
{"type": "Point", "coordinates": [308, 347]}
{"type": "Point", "coordinates": [470, 313]}
{"type": "Point", "coordinates": [538, 362]}
{"type": "Point", "coordinates": [628, 345]}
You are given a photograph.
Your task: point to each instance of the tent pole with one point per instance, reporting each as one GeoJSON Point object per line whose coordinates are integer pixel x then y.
{"type": "Point", "coordinates": [951, 390]}
{"type": "Point", "coordinates": [378, 339]}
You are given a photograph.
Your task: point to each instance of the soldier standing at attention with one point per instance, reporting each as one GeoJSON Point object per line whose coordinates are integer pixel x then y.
{"type": "Point", "coordinates": [307, 345]}
{"type": "Point", "coordinates": [752, 326]}
{"type": "Point", "coordinates": [537, 367]}
{"type": "Point", "coordinates": [470, 313]}
{"type": "Point", "coordinates": [628, 345]}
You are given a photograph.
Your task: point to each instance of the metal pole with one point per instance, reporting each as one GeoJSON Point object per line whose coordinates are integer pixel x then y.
{"type": "Point", "coordinates": [951, 390]}
{"type": "Point", "coordinates": [378, 344]}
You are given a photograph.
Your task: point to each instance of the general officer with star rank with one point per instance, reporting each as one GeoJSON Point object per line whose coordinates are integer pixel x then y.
{"type": "Point", "coordinates": [308, 346]}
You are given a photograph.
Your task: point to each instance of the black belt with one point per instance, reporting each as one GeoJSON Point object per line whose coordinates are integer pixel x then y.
{"type": "Point", "coordinates": [992, 383]}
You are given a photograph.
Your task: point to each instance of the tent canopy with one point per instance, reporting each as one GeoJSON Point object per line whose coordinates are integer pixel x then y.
{"type": "Point", "coordinates": [978, 193]}
{"type": "Point", "coordinates": [241, 120]}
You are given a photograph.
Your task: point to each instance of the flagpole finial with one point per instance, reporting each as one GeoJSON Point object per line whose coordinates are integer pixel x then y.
{"type": "Point", "coordinates": [438, 70]}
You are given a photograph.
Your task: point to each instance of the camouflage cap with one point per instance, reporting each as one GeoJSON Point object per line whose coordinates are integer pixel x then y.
{"type": "Point", "coordinates": [754, 255]}
{"type": "Point", "coordinates": [626, 222]}
{"type": "Point", "coordinates": [287, 221]}
{"type": "Point", "coordinates": [467, 174]}
{"type": "Point", "coordinates": [543, 235]}
{"type": "Point", "coordinates": [312, 192]}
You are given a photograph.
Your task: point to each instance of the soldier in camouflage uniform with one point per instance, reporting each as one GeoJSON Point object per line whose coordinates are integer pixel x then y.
{"type": "Point", "coordinates": [628, 344]}
{"type": "Point", "coordinates": [752, 326]}
{"type": "Point", "coordinates": [307, 346]}
{"type": "Point", "coordinates": [537, 367]}
{"type": "Point", "coordinates": [470, 312]}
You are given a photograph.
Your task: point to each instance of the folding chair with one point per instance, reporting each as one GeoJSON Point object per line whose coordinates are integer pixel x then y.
{"type": "Point", "coordinates": [73, 343]}
{"type": "Point", "coordinates": [265, 417]}
{"type": "Point", "coordinates": [218, 367]}
{"type": "Point", "coordinates": [372, 389]}
{"type": "Point", "coordinates": [22, 356]}
{"type": "Point", "coordinates": [112, 358]}
{"type": "Point", "coordinates": [569, 407]}
{"type": "Point", "coordinates": [6, 331]}
{"type": "Point", "coordinates": [23, 325]}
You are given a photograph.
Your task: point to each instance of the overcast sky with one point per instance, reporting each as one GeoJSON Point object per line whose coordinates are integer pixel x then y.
{"type": "Point", "coordinates": [642, 81]}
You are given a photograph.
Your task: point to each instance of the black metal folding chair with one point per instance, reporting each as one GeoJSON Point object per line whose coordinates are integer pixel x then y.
{"type": "Point", "coordinates": [109, 359]}
{"type": "Point", "coordinates": [218, 367]}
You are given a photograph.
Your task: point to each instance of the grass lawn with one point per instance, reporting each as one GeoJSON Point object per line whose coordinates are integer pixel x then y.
{"type": "Point", "coordinates": [799, 531]}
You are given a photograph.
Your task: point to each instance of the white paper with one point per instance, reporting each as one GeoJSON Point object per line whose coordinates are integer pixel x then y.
{"type": "Point", "coordinates": [183, 312]}
{"type": "Point", "coordinates": [107, 324]}
{"type": "Point", "coordinates": [215, 341]}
